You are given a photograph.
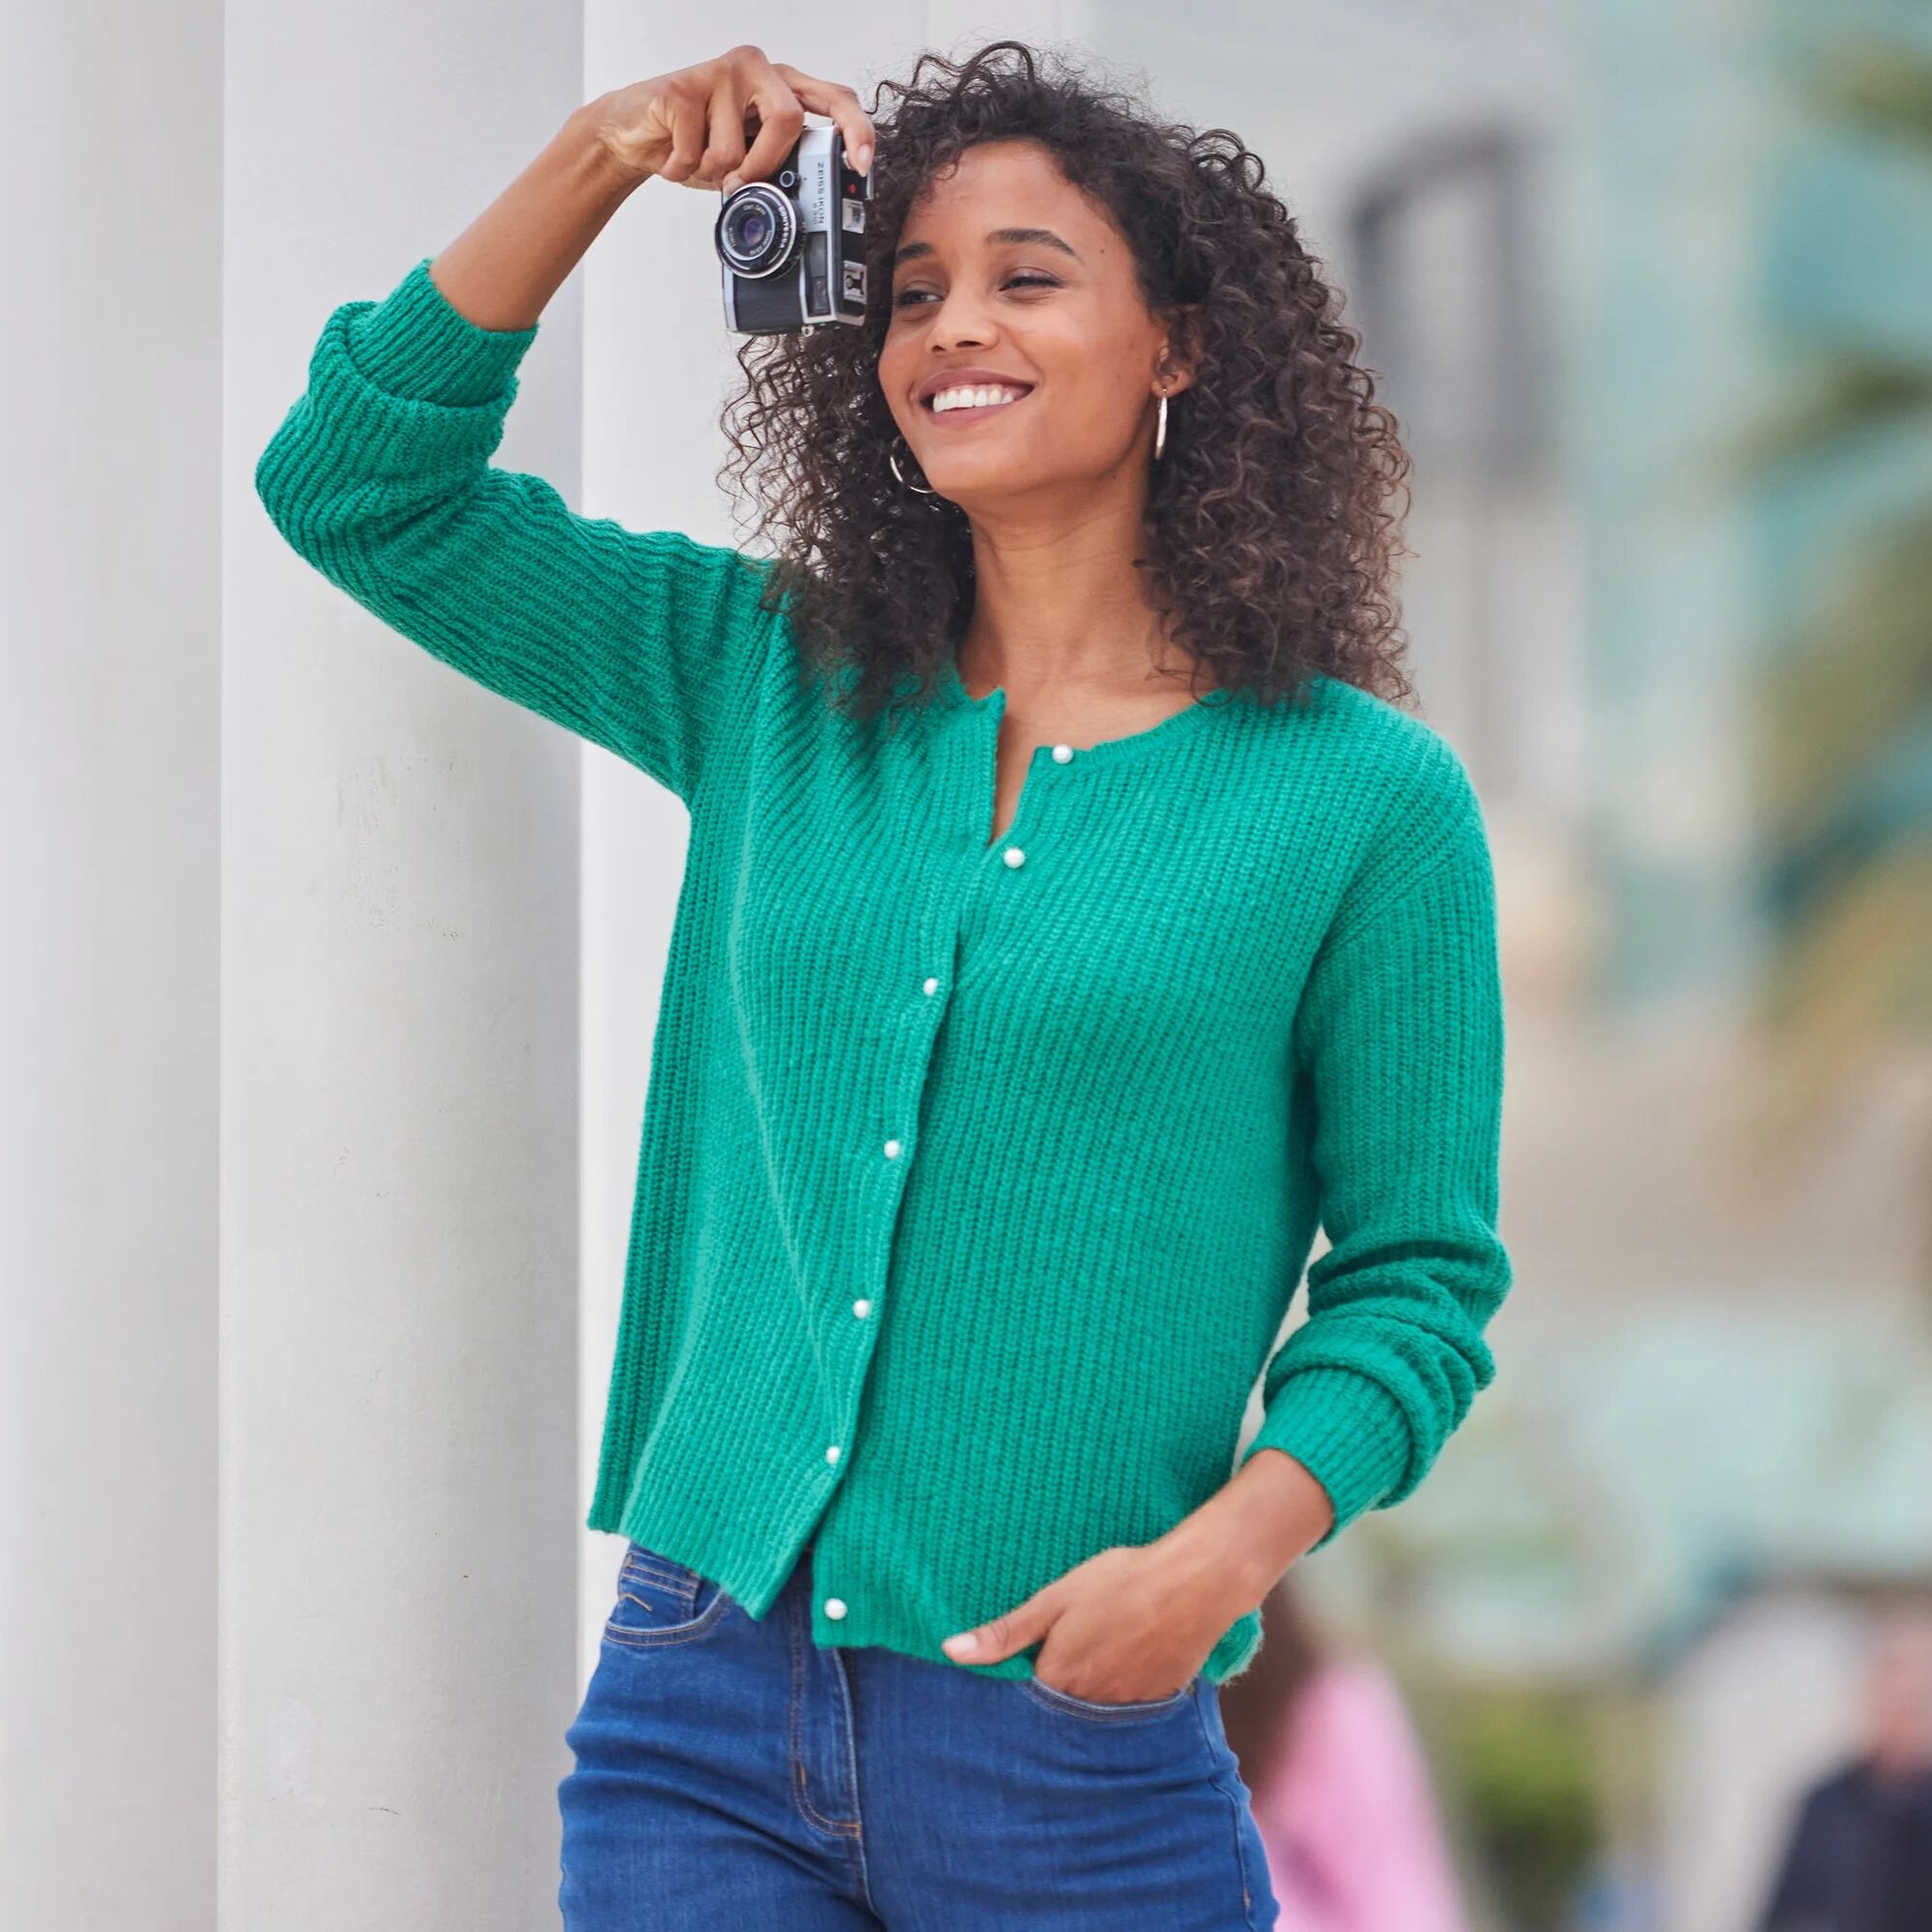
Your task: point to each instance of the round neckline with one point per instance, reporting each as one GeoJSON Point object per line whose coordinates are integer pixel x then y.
{"type": "Point", "coordinates": [1177, 725]}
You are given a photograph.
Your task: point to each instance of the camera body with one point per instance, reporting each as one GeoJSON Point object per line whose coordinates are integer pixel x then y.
{"type": "Point", "coordinates": [792, 249]}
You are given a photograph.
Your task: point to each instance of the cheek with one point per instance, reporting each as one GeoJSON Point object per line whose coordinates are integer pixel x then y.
{"type": "Point", "coordinates": [1088, 407]}
{"type": "Point", "coordinates": [1087, 379]}
{"type": "Point", "coordinates": [894, 373]}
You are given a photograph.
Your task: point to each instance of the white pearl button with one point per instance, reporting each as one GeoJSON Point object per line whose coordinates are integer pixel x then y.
{"type": "Point", "coordinates": [1062, 754]}
{"type": "Point", "coordinates": [1014, 855]}
{"type": "Point", "coordinates": [892, 1150]}
{"type": "Point", "coordinates": [933, 986]}
{"type": "Point", "coordinates": [832, 1452]}
{"type": "Point", "coordinates": [862, 1308]}
{"type": "Point", "coordinates": [835, 1608]}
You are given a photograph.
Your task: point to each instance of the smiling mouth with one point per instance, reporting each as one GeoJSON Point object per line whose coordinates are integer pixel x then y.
{"type": "Point", "coordinates": [967, 413]}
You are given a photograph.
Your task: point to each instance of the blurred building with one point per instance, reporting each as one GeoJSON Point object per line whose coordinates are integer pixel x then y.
{"type": "Point", "coordinates": [1647, 288]}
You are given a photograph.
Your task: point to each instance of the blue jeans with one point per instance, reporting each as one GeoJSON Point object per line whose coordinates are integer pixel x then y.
{"type": "Point", "coordinates": [729, 1773]}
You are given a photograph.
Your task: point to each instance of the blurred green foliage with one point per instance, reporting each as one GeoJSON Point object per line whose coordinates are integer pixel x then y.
{"type": "Point", "coordinates": [1841, 699]}
{"type": "Point", "coordinates": [1518, 1765]}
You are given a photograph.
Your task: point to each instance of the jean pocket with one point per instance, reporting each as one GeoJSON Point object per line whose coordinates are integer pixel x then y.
{"type": "Point", "coordinates": [660, 1601]}
{"type": "Point", "coordinates": [1065, 1701]}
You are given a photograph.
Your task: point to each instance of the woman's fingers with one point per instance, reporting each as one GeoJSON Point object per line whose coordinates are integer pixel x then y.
{"type": "Point", "coordinates": [691, 127]}
{"type": "Point", "coordinates": [686, 115]}
{"type": "Point", "coordinates": [781, 117]}
{"type": "Point", "coordinates": [725, 142]}
{"type": "Point", "coordinates": [841, 103]}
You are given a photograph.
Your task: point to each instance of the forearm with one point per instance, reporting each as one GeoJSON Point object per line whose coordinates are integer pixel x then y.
{"type": "Point", "coordinates": [380, 475]}
{"type": "Point", "coordinates": [505, 268]}
{"type": "Point", "coordinates": [1249, 1531]}
{"type": "Point", "coordinates": [1400, 1034]}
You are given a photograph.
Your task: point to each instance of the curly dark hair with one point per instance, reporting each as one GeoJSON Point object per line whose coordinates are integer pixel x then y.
{"type": "Point", "coordinates": [1270, 537]}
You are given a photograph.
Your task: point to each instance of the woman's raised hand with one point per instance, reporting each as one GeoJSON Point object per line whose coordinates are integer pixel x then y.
{"type": "Point", "coordinates": [691, 127]}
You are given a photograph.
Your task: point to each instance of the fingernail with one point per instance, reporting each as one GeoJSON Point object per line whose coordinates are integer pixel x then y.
{"type": "Point", "coordinates": [863, 154]}
{"type": "Point", "coordinates": [961, 1646]}
{"type": "Point", "coordinates": [731, 183]}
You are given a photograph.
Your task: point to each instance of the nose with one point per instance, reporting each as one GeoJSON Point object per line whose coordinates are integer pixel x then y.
{"type": "Point", "coordinates": [958, 321]}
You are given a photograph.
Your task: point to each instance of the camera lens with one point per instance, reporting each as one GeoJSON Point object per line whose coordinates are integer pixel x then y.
{"type": "Point", "coordinates": [756, 229]}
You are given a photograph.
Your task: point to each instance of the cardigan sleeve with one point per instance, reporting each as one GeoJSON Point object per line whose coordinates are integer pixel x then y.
{"type": "Point", "coordinates": [379, 477]}
{"type": "Point", "coordinates": [1400, 1038]}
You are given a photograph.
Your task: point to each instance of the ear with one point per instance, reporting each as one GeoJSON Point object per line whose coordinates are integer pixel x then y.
{"type": "Point", "coordinates": [1181, 348]}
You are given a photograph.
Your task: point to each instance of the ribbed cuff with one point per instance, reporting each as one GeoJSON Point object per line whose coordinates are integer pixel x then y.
{"type": "Point", "coordinates": [414, 344]}
{"type": "Point", "coordinates": [1350, 1431]}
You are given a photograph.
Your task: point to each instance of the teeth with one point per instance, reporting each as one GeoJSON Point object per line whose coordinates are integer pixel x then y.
{"type": "Point", "coordinates": [974, 398]}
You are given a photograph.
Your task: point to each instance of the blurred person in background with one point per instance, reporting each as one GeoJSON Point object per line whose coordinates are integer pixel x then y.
{"type": "Point", "coordinates": [1858, 1853]}
{"type": "Point", "coordinates": [1340, 1787]}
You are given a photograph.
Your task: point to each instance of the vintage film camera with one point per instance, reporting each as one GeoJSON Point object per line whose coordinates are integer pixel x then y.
{"type": "Point", "coordinates": [793, 247]}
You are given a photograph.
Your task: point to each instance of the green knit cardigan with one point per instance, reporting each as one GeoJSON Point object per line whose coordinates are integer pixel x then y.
{"type": "Point", "coordinates": [976, 1174]}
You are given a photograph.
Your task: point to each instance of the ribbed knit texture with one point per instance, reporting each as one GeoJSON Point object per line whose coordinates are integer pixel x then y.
{"type": "Point", "coordinates": [994, 1166]}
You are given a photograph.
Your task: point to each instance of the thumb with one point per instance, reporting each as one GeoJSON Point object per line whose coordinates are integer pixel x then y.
{"type": "Point", "coordinates": [1009, 1632]}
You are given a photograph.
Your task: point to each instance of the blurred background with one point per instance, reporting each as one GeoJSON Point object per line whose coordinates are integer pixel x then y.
{"type": "Point", "coordinates": [1651, 286]}
{"type": "Point", "coordinates": [331, 980]}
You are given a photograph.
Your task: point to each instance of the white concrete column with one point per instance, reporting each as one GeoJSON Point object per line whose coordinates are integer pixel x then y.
{"type": "Point", "coordinates": [110, 598]}
{"type": "Point", "coordinates": [399, 1063]}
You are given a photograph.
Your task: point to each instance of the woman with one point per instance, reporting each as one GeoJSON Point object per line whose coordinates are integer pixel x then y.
{"type": "Point", "coordinates": [1025, 1010]}
{"type": "Point", "coordinates": [1339, 1784]}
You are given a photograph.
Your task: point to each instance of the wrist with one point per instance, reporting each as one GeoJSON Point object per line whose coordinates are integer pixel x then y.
{"type": "Point", "coordinates": [588, 131]}
{"type": "Point", "coordinates": [1245, 1536]}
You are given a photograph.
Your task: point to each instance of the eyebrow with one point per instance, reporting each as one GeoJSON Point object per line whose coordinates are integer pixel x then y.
{"type": "Point", "coordinates": [1046, 235]}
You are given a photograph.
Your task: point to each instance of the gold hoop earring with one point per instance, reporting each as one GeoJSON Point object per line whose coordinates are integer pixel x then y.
{"type": "Point", "coordinates": [1160, 428]}
{"type": "Point", "coordinates": [893, 457]}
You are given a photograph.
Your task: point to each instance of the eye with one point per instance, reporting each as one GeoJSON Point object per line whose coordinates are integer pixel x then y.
{"type": "Point", "coordinates": [1020, 279]}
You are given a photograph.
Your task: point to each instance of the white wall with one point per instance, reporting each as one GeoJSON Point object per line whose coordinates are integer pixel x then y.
{"type": "Point", "coordinates": [110, 644]}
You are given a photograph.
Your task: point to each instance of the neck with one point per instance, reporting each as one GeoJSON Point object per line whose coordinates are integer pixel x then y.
{"type": "Point", "coordinates": [1057, 603]}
